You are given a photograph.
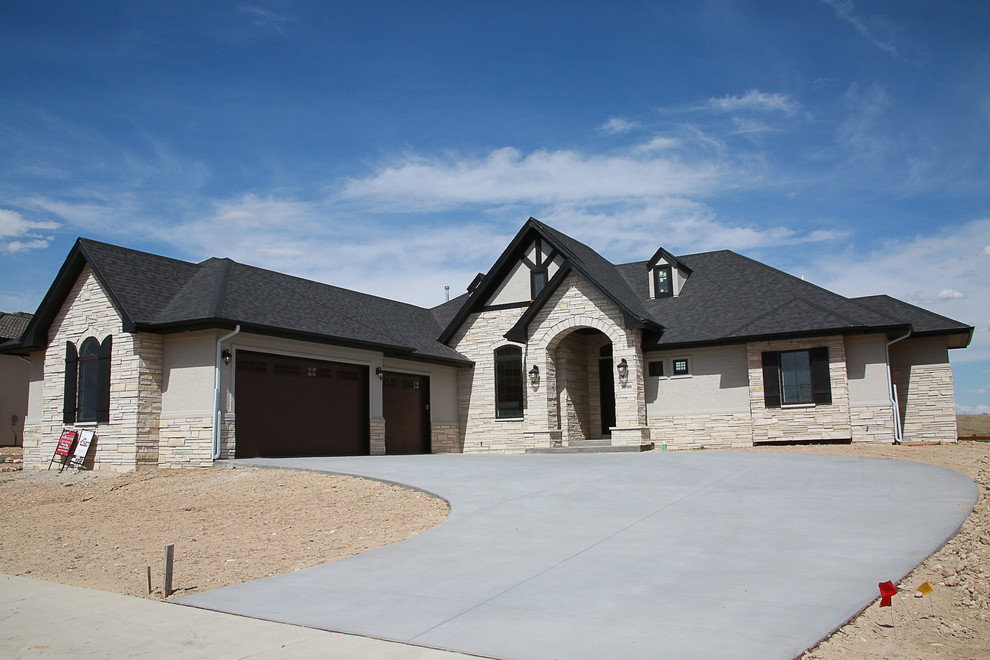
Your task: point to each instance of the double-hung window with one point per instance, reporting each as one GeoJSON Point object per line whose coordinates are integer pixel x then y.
{"type": "Point", "coordinates": [792, 378]}
{"type": "Point", "coordinates": [508, 382]}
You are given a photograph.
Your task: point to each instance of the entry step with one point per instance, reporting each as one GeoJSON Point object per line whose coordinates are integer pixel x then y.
{"type": "Point", "coordinates": [589, 447]}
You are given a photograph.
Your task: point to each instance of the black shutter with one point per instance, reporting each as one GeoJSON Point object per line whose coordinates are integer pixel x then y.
{"type": "Point", "coordinates": [821, 385]}
{"type": "Point", "coordinates": [69, 393]}
{"type": "Point", "coordinates": [103, 378]}
{"type": "Point", "coordinates": [771, 379]}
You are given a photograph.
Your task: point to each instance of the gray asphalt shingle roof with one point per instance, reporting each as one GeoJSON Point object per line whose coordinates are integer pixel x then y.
{"type": "Point", "coordinates": [12, 326]}
{"type": "Point", "coordinates": [159, 294]}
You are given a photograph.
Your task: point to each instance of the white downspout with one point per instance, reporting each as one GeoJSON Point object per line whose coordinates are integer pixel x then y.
{"type": "Point", "coordinates": [216, 394]}
{"type": "Point", "coordinates": [898, 432]}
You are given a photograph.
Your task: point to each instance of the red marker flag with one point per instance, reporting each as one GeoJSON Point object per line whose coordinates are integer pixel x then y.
{"type": "Point", "coordinates": [887, 589]}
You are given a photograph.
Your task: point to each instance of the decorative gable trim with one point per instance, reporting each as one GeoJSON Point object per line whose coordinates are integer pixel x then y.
{"type": "Point", "coordinates": [531, 231]}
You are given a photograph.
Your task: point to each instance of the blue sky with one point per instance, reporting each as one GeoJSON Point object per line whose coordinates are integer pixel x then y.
{"type": "Point", "coordinates": [396, 147]}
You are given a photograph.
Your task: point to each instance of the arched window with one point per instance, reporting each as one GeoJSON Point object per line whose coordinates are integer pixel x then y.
{"type": "Point", "coordinates": [508, 382]}
{"type": "Point", "coordinates": [87, 382]}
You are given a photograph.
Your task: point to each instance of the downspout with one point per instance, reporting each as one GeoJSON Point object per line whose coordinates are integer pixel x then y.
{"type": "Point", "coordinates": [898, 431]}
{"type": "Point", "coordinates": [216, 394]}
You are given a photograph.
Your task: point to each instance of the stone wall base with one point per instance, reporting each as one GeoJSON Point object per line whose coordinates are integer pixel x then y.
{"type": "Point", "coordinates": [185, 442]}
{"type": "Point", "coordinates": [708, 430]}
{"type": "Point", "coordinates": [445, 439]}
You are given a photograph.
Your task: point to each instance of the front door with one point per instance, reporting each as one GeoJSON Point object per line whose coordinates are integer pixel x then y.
{"type": "Point", "coordinates": [606, 388]}
{"type": "Point", "coordinates": [406, 407]}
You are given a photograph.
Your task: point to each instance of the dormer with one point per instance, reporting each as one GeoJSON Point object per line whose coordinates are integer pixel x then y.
{"type": "Point", "coordinates": [667, 275]}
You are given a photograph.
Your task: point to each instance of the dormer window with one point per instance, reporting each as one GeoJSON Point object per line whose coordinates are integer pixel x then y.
{"type": "Point", "coordinates": [662, 284]}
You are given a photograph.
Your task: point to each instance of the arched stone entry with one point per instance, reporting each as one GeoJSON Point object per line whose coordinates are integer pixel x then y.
{"type": "Point", "coordinates": [580, 384]}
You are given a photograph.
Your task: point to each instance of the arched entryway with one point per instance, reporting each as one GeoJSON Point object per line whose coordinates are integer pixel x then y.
{"type": "Point", "coordinates": [583, 394]}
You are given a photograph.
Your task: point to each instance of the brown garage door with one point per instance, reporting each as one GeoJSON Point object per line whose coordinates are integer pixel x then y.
{"type": "Point", "coordinates": [288, 406]}
{"type": "Point", "coordinates": [406, 407]}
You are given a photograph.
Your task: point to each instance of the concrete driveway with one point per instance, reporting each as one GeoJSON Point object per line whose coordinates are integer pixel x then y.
{"type": "Point", "coordinates": [680, 555]}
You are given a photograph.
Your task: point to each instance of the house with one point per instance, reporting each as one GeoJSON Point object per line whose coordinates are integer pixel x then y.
{"type": "Point", "coordinates": [13, 381]}
{"type": "Point", "coordinates": [178, 364]}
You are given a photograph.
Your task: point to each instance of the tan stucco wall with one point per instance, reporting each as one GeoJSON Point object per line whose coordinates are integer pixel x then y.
{"type": "Point", "coordinates": [709, 407]}
{"type": "Point", "coordinates": [718, 383]}
{"type": "Point", "coordinates": [15, 374]}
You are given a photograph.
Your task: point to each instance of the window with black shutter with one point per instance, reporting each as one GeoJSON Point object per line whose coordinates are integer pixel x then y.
{"type": "Point", "coordinates": [796, 377]}
{"type": "Point", "coordinates": [87, 382]}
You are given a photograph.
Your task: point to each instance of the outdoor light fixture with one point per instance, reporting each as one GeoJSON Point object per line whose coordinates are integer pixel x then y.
{"type": "Point", "coordinates": [622, 368]}
{"type": "Point", "coordinates": [226, 356]}
{"type": "Point", "coordinates": [379, 373]}
{"type": "Point", "coordinates": [534, 375]}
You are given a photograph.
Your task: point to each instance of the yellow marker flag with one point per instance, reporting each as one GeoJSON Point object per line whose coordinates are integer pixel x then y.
{"type": "Point", "coordinates": [926, 588]}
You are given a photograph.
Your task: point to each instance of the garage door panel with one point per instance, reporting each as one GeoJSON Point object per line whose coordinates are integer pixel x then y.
{"type": "Point", "coordinates": [288, 406]}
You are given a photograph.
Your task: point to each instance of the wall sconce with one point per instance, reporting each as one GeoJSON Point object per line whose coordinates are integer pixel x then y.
{"type": "Point", "coordinates": [379, 373]}
{"type": "Point", "coordinates": [622, 368]}
{"type": "Point", "coordinates": [534, 375]}
{"type": "Point", "coordinates": [225, 356]}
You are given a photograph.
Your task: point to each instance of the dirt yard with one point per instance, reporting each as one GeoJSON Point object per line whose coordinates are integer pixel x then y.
{"type": "Point", "coordinates": [231, 525]}
{"type": "Point", "coordinates": [228, 525]}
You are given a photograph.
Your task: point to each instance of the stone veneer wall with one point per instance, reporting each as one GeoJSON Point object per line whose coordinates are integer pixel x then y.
{"type": "Point", "coordinates": [130, 439]}
{"type": "Point", "coordinates": [571, 362]}
{"type": "Point", "coordinates": [477, 340]}
{"type": "Point", "coordinates": [445, 438]}
{"type": "Point", "coordinates": [709, 430]}
{"type": "Point", "coordinates": [575, 304]}
{"type": "Point", "coordinates": [185, 442]}
{"type": "Point", "coordinates": [377, 438]}
{"type": "Point", "coordinates": [812, 422]}
{"type": "Point", "coordinates": [929, 404]}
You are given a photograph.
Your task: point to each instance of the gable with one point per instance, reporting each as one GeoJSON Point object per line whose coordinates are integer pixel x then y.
{"type": "Point", "coordinates": [539, 259]}
{"type": "Point", "coordinates": [533, 251]}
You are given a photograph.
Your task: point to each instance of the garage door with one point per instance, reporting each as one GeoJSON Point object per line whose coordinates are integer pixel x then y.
{"type": "Point", "coordinates": [406, 406]}
{"type": "Point", "coordinates": [288, 406]}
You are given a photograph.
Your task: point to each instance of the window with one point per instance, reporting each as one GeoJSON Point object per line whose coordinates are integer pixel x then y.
{"type": "Point", "coordinates": [796, 378]}
{"type": "Point", "coordinates": [656, 369]}
{"type": "Point", "coordinates": [681, 367]}
{"type": "Point", "coordinates": [86, 397]}
{"type": "Point", "coordinates": [661, 282]}
{"type": "Point", "coordinates": [508, 382]}
{"type": "Point", "coordinates": [537, 282]}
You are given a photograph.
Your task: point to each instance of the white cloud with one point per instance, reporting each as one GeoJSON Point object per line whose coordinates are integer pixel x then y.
{"type": "Point", "coordinates": [23, 232]}
{"type": "Point", "coordinates": [928, 271]}
{"type": "Point", "coordinates": [658, 143]}
{"type": "Point", "coordinates": [506, 176]}
{"type": "Point", "coordinates": [618, 125]}
{"type": "Point", "coordinates": [986, 251]}
{"type": "Point", "coordinates": [755, 100]}
{"type": "Point", "coordinates": [867, 26]}
{"type": "Point", "coordinates": [950, 294]}
{"type": "Point", "coordinates": [981, 409]}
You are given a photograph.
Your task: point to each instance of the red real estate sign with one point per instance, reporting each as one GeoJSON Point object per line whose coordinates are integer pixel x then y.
{"type": "Point", "coordinates": [65, 443]}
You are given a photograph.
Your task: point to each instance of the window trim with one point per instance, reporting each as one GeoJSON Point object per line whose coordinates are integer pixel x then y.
{"type": "Point", "coordinates": [656, 282]}
{"type": "Point", "coordinates": [673, 367]}
{"type": "Point", "coordinates": [510, 355]}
